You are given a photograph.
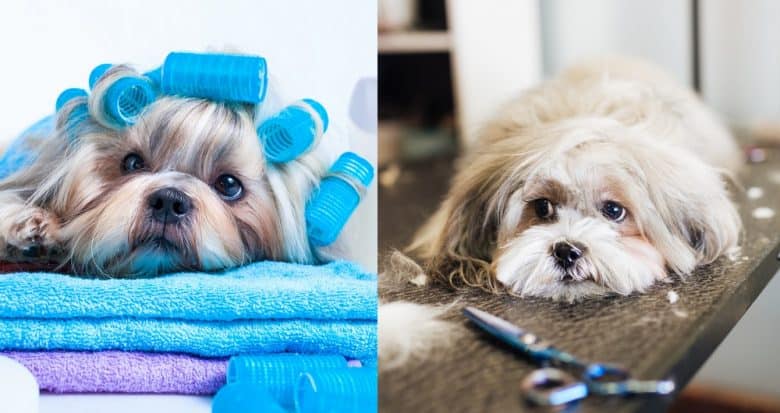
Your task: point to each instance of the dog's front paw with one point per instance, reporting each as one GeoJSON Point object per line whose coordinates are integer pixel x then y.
{"type": "Point", "coordinates": [34, 236]}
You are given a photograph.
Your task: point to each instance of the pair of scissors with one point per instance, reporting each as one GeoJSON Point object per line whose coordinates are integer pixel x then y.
{"type": "Point", "coordinates": [551, 385]}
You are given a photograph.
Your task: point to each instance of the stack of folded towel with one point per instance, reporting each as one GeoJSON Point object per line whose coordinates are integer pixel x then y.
{"type": "Point", "coordinates": [174, 334]}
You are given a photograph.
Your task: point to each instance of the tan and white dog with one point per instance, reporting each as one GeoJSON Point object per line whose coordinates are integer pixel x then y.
{"type": "Point", "coordinates": [187, 187]}
{"type": "Point", "coordinates": [605, 179]}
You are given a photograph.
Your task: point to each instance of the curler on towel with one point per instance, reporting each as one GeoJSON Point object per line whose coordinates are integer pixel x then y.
{"type": "Point", "coordinates": [278, 373]}
{"type": "Point", "coordinates": [119, 95]}
{"type": "Point", "coordinates": [293, 131]}
{"type": "Point", "coordinates": [220, 77]}
{"type": "Point", "coordinates": [337, 198]}
{"type": "Point", "coordinates": [342, 390]}
{"type": "Point", "coordinates": [244, 397]}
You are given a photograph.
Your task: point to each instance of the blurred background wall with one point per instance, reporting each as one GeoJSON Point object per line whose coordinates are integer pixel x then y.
{"type": "Point", "coordinates": [657, 30]}
{"type": "Point", "coordinates": [741, 58]}
{"type": "Point", "coordinates": [455, 61]}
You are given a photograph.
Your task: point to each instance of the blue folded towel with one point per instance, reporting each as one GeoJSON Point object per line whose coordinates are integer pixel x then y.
{"type": "Point", "coordinates": [262, 290]}
{"type": "Point", "coordinates": [352, 339]}
{"type": "Point", "coordinates": [259, 308]}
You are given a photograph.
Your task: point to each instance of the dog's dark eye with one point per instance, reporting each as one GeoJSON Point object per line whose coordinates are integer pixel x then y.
{"type": "Point", "coordinates": [133, 162]}
{"type": "Point", "coordinates": [229, 187]}
{"type": "Point", "coordinates": [613, 211]}
{"type": "Point", "coordinates": [544, 208]}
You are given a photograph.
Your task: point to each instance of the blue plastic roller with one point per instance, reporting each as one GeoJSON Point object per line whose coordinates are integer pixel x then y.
{"type": "Point", "coordinates": [343, 391]}
{"type": "Point", "coordinates": [97, 72]}
{"type": "Point", "coordinates": [244, 398]}
{"type": "Point", "coordinates": [293, 131]}
{"type": "Point", "coordinates": [278, 373]}
{"type": "Point", "coordinates": [67, 95]}
{"type": "Point", "coordinates": [78, 113]}
{"type": "Point", "coordinates": [125, 98]}
{"type": "Point", "coordinates": [337, 198]}
{"type": "Point", "coordinates": [220, 77]}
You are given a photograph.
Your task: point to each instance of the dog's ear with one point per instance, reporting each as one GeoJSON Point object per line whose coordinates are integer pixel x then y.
{"type": "Point", "coordinates": [458, 241]}
{"type": "Point", "coordinates": [698, 220]}
{"type": "Point", "coordinates": [714, 228]}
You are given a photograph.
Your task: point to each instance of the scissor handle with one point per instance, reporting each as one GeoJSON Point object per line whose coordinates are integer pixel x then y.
{"type": "Point", "coordinates": [609, 380]}
{"type": "Point", "coordinates": [552, 387]}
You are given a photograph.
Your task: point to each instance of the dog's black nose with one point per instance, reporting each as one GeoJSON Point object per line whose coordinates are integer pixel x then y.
{"type": "Point", "coordinates": [169, 205]}
{"type": "Point", "coordinates": [566, 253]}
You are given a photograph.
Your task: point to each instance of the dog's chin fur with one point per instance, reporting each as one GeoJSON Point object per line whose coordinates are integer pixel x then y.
{"type": "Point", "coordinates": [102, 212]}
{"type": "Point", "coordinates": [613, 130]}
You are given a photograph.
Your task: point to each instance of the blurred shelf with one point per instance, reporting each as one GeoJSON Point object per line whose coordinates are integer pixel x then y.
{"type": "Point", "coordinates": [414, 41]}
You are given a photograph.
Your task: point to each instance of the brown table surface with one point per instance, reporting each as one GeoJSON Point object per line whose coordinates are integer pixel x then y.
{"type": "Point", "coordinates": [645, 333]}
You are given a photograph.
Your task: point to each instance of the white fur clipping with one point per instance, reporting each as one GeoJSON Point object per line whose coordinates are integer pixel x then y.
{"type": "Point", "coordinates": [409, 331]}
{"type": "Point", "coordinates": [763, 213]}
{"type": "Point", "coordinates": [755, 192]}
{"type": "Point", "coordinates": [402, 270]}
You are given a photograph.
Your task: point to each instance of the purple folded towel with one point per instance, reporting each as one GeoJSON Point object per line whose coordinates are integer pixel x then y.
{"type": "Point", "coordinates": [122, 372]}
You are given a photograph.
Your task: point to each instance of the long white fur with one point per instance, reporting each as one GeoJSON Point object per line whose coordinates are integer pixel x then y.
{"type": "Point", "coordinates": [604, 128]}
{"type": "Point", "coordinates": [615, 123]}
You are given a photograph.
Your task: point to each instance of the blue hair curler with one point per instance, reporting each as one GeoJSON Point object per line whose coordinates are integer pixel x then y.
{"type": "Point", "coordinates": [97, 72]}
{"type": "Point", "coordinates": [220, 77]}
{"type": "Point", "coordinates": [125, 98]}
{"type": "Point", "coordinates": [337, 198]}
{"type": "Point", "coordinates": [278, 373]}
{"type": "Point", "coordinates": [293, 131]}
{"type": "Point", "coordinates": [343, 391]}
{"type": "Point", "coordinates": [244, 398]}
{"type": "Point", "coordinates": [75, 102]}
{"type": "Point", "coordinates": [67, 95]}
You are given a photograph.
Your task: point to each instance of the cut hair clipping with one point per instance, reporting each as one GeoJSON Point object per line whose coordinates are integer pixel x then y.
{"type": "Point", "coordinates": [293, 131]}
{"type": "Point", "coordinates": [119, 95]}
{"type": "Point", "coordinates": [337, 198]}
{"type": "Point", "coordinates": [219, 77]}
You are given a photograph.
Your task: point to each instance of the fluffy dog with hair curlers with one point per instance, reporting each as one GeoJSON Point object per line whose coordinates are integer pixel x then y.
{"type": "Point", "coordinates": [604, 180]}
{"type": "Point", "coordinates": [183, 183]}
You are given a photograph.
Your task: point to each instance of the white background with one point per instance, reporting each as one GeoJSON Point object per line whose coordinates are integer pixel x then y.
{"type": "Point", "coordinates": [317, 49]}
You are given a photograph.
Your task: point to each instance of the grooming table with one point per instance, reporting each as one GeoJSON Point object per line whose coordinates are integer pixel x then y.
{"type": "Point", "coordinates": [648, 334]}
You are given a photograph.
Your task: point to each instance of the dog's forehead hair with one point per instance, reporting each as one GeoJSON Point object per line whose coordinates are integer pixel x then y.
{"type": "Point", "coordinates": [196, 136]}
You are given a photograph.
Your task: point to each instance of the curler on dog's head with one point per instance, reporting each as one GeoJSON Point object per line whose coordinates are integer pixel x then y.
{"type": "Point", "coordinates": [72, 110]}
{"type": "Point", "coordinates": [119, 95]}
{"type": "Point", "coordinates": [67, 95]}
{"type": "Point", "coordinates": [337, 198]}
{"type": "Point", "coordinates": [219, 77]}
{"type": "Point", "coordinates": [97, 72]}
{"type": "Point", "coordinates": [293, 131]}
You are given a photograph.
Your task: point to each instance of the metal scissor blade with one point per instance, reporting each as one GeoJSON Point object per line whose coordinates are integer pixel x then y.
{"type": "Point", "coordinates": [496, 326]}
